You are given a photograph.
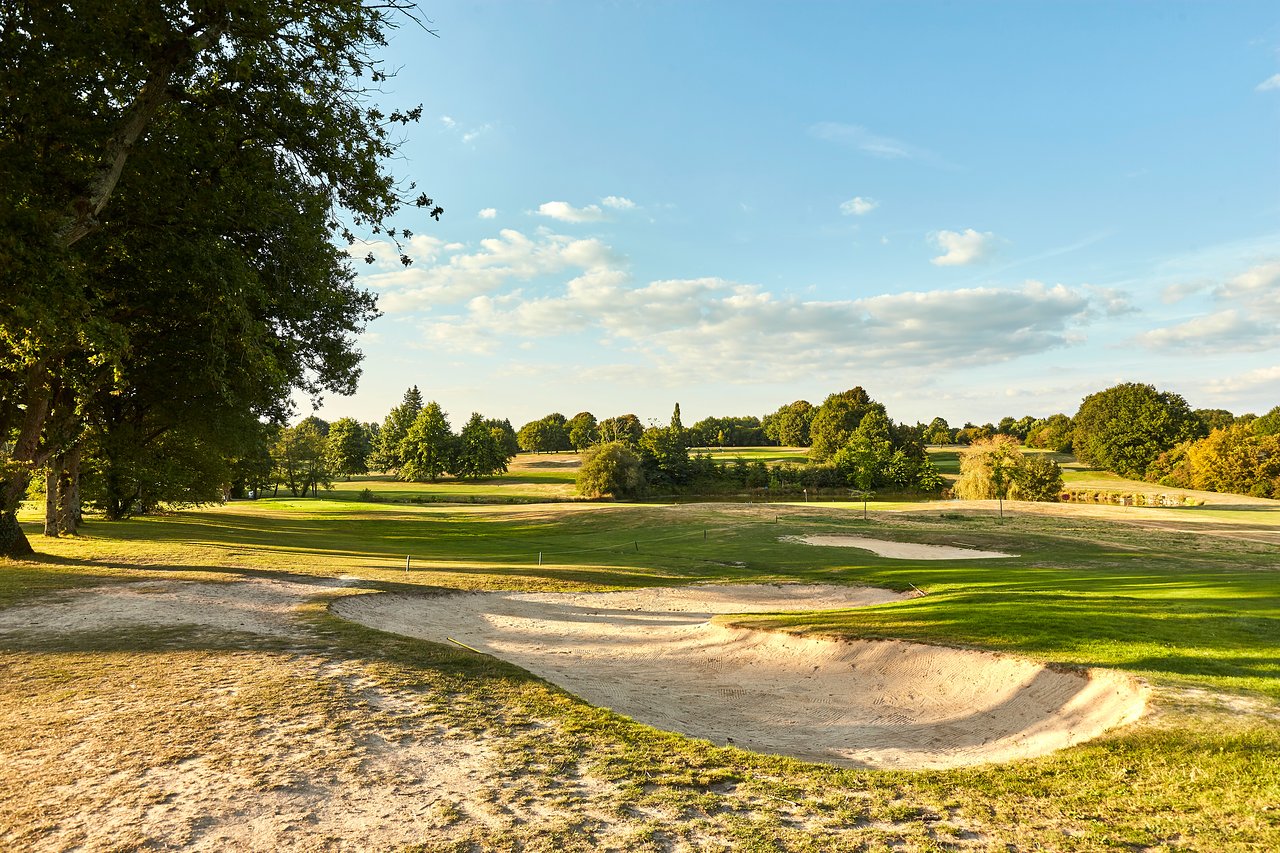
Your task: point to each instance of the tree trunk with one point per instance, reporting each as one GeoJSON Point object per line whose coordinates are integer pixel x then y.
{"type": "Point", "coordinates": [52, 477]}
{"type": "Point", "coordinates": [69, 515]}
{"type": "Point", "coordinates": [13, 542]}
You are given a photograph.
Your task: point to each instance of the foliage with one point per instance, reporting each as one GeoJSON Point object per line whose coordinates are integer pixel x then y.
{"type": "Point", "coordinates": [727, 432]}
{"type": "Point", "coordinates": [621, 428]}
{"type": "Point", "coordinates": [301, 459]}
{"type": "Point", "coordinates": [1051, 433]}
{"type": "Point", "coordinates": [836, 419]}
{"type": "Point", "coordinates": [611, 469]}
{"type": "Point", "coordinates": [986, 468]}
{"type": "Point", "coordinates": [789, 425]}
{"type": "Point", "coordinates": [1036, 478]}
{"type": "Point", "coordinates": [938, 432]}
{"type": "Point", "coordinates": [428, 446]}
{"type": "Point", "coordinates": [1236, 459]}
{"type": "Point", "coordinates": [480, 450]}
{"type": "Point", "coordinates": [582, 430]}
{"type": "Point", "coordinates": [387, 454]}
{"type": "Point", "coordinates": [510, 443]}
{"type": "Point", "coordinates": [546, 435]}
{"type": "Point", "coordinates": [1126, 427]}
{"type": "Point", "coordinates": [347, 448]}
{"type": "Point", "coordinates": [664, 455]}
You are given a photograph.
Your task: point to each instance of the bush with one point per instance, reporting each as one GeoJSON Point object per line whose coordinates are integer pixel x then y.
{"type": "Point", "coordinates": [610, 469]}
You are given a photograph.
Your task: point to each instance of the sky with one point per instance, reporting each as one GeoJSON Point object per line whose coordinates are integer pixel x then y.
{"type": "Point", "coordinates": [970, 209]}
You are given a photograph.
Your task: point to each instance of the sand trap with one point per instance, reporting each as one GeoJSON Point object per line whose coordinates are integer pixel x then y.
{"type": "Point", "coordinates": [654, 655]}
{"type": "Point", "coordinates": [897, 550]}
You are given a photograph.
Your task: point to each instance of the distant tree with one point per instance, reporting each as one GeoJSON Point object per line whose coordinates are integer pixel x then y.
{"type": "Point", "coordinates": [621, 428]}
{"type": "Point", "coordinates": [612, 469]}
{"type": "Point", "coordinates": [1036, 478]}
{"type": "Point", "coordinates": [321, 425]}
{"type": "Point", "coordinates": [1213, 419]}
{"type": "Point", "coordinates": [1268, 424]}
{"type": "Point", "coordinates": [301, 459]}
{"type": "Point", "coordinates": [387, 455]}
{"type": "Point", "coordinates": [789, 425]}
{"type": "Point", "coordinates": [1238, 460]}
{"type": "Point", "coordinates": [348, 448]}
{"type": "Point", "coordinates": [836, 419]}
{"type": "Point", "coordinates": [582, 430]}
{"type": "Point", "coordinates": [428, 446]}
{"type": "Point", "coordinates": [1126, 427]}
{"type": "Point", "coordinates": [479, 450]}
{"type": "Point", "coordinates": [1052, 433]}
{"type": "Point", "coordinates": [664, 456]}
{"type": "Point", "coordinates": [938, 432]}
{"type": "Point", "coordinates": [510, 443]}
{"type": "Point", "coordinates": [743, 431]}
{"type": "Point", "coordinates": [545, 435]}
{"type": "Point", "coordinates": [986, 468]}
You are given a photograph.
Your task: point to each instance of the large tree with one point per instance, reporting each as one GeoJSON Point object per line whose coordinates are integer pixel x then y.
{"type": "Point", "coordinates": [428, 446]}
{"type": "Point", "coordinates": [480, 450]}
{"type": "Point", "coordinates": [1126, 427]}
{"type": "Point", "coordinates": [141, 126]}
{"type": "Point", "coordinates": [836, 419]}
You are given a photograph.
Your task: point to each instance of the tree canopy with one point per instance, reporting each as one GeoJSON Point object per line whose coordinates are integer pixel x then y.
{"type": "Point", "coordinates": [1124, 428]}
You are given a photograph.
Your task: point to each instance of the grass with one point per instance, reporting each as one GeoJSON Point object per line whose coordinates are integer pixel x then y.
{"type": "Point", "coordinates": [1196, 613]}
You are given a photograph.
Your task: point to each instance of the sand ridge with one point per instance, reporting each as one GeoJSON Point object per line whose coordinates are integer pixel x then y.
{"type": "Point", "coordinates": [656, 655]}
{"type": "Point", "coordinates": [896, 550]}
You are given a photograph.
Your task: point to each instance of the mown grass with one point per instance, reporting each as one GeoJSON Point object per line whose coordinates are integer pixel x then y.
{"type": "Point", "coordinates": [1197, 615]}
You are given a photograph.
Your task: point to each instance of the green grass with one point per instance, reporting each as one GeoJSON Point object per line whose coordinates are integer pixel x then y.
{"type": "Point", "coordinates": [1197, 613]}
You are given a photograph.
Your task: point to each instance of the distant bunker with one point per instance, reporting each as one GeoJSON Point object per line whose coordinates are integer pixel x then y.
{"type": "Point", "coordinates": [656, 656]}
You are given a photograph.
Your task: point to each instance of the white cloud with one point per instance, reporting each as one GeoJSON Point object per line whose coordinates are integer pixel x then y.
{"type": "Point", "coordinates": [961, 248]}
{"type": "Point", "coordinates": [618, 202]}
{"type": "Point", "coordinates": [566, 212]}
{"type": "Point", "coordinates": [1247, 317]}
{"type": "Point", "coordinates": [857, 136]}
{"type": "Point", "coordinates": [500, 261]}
{"type": "Point", "coordinates": [476, 132]}
{"type": "Point", "coordinates": [1262, 377]}
{"type": "Point", "coordinates": [1268, 85]}
{"type": "Point", "coordinates": [858, 206]}
{"type": "Point", "coordinates": [488, 213]}
{"type": "Point", "coordinates": [448, 122]}
{"type": "Point", "coordinates": [682, 326]}
{"type": "Point", "coordinates": [1178, 291]}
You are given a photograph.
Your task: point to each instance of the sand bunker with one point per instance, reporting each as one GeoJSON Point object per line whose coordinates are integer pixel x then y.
{"type": "Point", "coordinates": [897, 550]}
{"type": "Point", "coordinates": [655, 656]}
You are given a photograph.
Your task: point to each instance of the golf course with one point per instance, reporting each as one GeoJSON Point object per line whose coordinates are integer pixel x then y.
{"type": "Point", "coordinates": [499, 666]}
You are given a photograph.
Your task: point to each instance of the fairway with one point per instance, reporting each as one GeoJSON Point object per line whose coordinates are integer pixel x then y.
{"type": "Point", "coordinates": [187, 679]}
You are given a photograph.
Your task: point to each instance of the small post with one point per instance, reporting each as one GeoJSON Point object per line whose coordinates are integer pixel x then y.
{"type": "Point", "coordinates": [539, 558]}
{"type": "Point", "coordinates": [637, 544]}
{"type": "Point", "coordinates": [406, 564]}
{"type": "Point", "coordinates": [704, 534]}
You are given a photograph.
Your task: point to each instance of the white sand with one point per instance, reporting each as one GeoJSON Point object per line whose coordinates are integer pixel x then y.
{"type": "Point", "coordinates": [654, 655]}
{"type": "Point", "coordinates": [897, 550]}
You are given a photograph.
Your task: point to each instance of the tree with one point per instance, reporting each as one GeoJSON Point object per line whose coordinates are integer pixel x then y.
{"type": "Point", "coordinates": [995, 469]}
{"type": "Point", "coordinates": [301, 463]}
{"type": "Point", "coordinates": [479, 450]}
{"type": "Point", "coordinates": [348, 448]}
{"type": "Point", "coordinates": [582, 430]}
{"type": "Point", "coordinates": [1036, 478]}
{"type": "Point", "coordinates": [610, 469]}
{"type": "Point", "coordinates": [938, 432]}
{"type": "Point", "coordinates": [836, 419]}
{"type": "Point", "coordinates": [664, 455]}
{"type": "Point", "coordinates": [1052, 433]}
{"type": "Point", "coordinates": [387, 454]}
{"type": "Point", "coordinates": [218, 144]}
{"type": "Point", "coordinates": [1124, 428]}
{"type": "Point", "coordinates": [1212, 419]}
{"type": "Point", "coordinates": [1236, 459]}
{"type": "Point", "coordinates": [428, 447]}
{"type": "Point", "coordinates": [621, 428]}
{"type": "Point", "coordinates": [789, 425]}
{"type": "Point", "coordinates": [545, 435]}
{"type": "Point", "coordinates": [507, 435]}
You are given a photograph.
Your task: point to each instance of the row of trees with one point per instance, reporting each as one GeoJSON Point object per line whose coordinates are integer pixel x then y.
{"type": "Point", "coordinates": [416, 442]}
{"type": "Point", "coordinates": [858, 446]}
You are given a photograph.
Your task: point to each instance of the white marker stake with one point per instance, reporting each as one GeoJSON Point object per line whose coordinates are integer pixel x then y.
{"type": "Point", "coordinates": [406, 564]}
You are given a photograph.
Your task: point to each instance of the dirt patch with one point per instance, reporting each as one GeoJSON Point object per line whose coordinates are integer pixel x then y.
{"type": "Point", "coordinates": [656, 655]}
{"type": "Point", "coordinates": [897, 550]}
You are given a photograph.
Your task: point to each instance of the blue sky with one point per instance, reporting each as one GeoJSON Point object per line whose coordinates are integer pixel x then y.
{"type": "Point", "coordinates": [970, 209]}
